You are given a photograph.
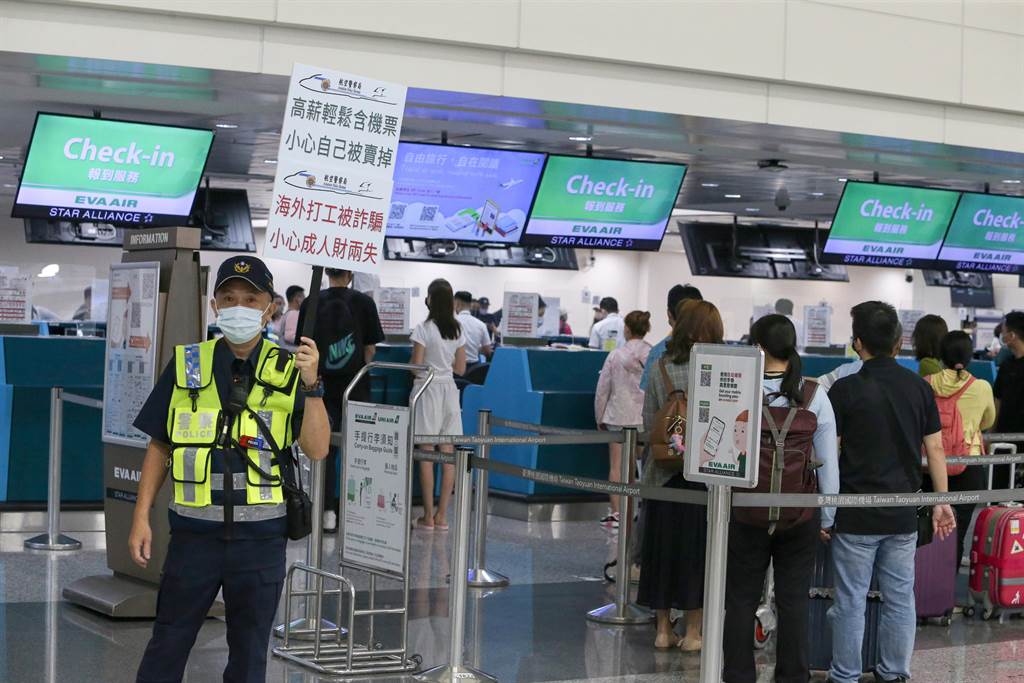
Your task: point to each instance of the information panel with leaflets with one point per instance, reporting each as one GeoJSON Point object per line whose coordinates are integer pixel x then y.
{"type": "Point", "coordinates": [85, 169]}
{"type": "Point", "coordinates": [462, 193]}
{"type": "Point", "coordinates": [375, 490]}
{"type": "Point", "coordinates": [130, 350]}
{"type": "Point", "coordinates": [603, 203]}
{"type": "Point", "coordinates": [889, 225]}
{"type": "Point", "coordinates": [723, 421]}
{"type": "Point", "coordinates": [987, 234]}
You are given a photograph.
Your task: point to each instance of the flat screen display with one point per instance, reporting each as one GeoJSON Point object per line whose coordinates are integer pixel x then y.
{"type": "Point", "coordinates": [467, 194]}
{"type": "Point", "coordinates": [92, 170]}
{"type": "Point", "coordinates": [603, 203]}
{"type": "Point", "coordinates": [889, 225]}
{"type": "Point", "coordinates": [986, 235]}
{"type": "Point", "coordinates": [972, 297]}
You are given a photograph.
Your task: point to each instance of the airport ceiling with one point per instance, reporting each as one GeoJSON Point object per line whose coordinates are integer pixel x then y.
{"type": "Point", "coordinates": [245, 110]}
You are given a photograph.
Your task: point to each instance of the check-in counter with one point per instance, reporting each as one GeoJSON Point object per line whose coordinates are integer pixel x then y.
{"type": "Point", "coordinates": [29, 368]}
{"type": "Point", "coordinates": [544, 386]}
{"type": "Point", "coordinates": [816, 366]}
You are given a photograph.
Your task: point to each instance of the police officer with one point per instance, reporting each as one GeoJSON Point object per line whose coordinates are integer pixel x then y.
{"type": "Point", "coordinates": [222, 418]}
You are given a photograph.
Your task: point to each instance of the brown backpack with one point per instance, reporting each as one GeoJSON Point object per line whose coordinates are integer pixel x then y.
{"type": "Point", "coordinates": [787, 463]}
{"type": "Point", "coordinates": [669, 421]}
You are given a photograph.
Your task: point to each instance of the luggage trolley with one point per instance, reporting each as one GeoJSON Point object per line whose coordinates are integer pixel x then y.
{"type": "Point", "coordinates": [376, 448]}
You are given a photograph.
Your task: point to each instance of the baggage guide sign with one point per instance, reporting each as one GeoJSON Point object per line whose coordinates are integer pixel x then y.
{"type": "Point", "coordinates": [723, 421]}
{"type": "Point", "coordinates": [335, 163]}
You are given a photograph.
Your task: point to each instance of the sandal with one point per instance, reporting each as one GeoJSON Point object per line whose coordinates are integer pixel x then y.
{"type": "Point", "coordinates": [691, 645]}
{"type": "Point", "coordinates": [420, 524]}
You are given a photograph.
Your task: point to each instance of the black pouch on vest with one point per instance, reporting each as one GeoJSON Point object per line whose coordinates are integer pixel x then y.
{"type": "Point", "coordinates": [296, 501]}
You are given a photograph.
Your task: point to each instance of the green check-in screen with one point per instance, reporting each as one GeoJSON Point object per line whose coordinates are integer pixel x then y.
{"type": "Point", "coordinates": [103, 171]}
{"type": "Point", "coordinates": [889, 225]}
{"type": "Point", "coordinates": [987, 234]}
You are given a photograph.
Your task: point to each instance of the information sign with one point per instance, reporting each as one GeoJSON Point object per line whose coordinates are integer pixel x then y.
{"type": "Point", "coordinates": [723, 421]}
{"type": "Point", "coordinates": [15, 300]}
{"type": "Point", "coordinates": [817, 326]}
{"type": "Point", "coordinates": [908, 321]}
{"type": "Point", "coordinates": [987, 234]}
{"type": "Point", "coordinates": [375, 484]}
{"type": "Point", "coordinates": [519, 314]}
{"type": "Point", "coordinates": [393, 305]}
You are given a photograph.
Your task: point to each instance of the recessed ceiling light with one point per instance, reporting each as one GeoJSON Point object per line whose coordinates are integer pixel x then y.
{"type": "Point", "coordinates": [709, 184]}
{"type": "Point", "coordinates": [1, 156]}
{"type": "Point", "coordinates": [1008, 181]}
{"type": "Point", "coordinates": [752, 209]}
{"type": "Point", "coordinates": [580, 138]}
{"type": "Point", "coordinates": [226, 125]}
{"type": "Point", "coordinates": [733, 196]}
{"type": "Point", "coordinates": [842, 180]}
{"type": "Point", "coordinates": [817, 194]}
{"type": "Point", "coordinates": [270, 161]}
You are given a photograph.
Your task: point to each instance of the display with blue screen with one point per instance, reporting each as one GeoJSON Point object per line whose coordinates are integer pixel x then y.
{"type": "Point", "coordinates": [467, 194]}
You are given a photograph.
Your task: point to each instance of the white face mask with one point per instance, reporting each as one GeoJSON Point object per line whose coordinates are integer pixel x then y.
{"type": "Point", "coordinates": [240, 323]}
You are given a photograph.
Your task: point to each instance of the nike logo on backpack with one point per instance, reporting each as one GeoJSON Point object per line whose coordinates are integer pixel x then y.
{"type": "Point", "coordinates": [340, 353]}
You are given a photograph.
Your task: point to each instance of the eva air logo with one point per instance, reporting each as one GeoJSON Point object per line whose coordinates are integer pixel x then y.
{"type": "Point", "coordinates": [340, 353]}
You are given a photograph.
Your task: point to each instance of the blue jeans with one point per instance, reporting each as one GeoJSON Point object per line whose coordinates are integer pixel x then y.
{"type": "Point", "coordinates": [855, 557]}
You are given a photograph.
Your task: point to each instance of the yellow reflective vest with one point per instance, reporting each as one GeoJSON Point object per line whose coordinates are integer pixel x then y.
{"type": "Point", "coordinates": [196, 421]}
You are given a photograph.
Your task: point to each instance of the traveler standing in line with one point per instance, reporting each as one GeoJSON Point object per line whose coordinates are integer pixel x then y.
{"type": "Point", "coordinates": [222, 419]}
{"type": "Point", "coordinates": [618, 401]}
{"type": "Point", "coordinates": [969, 401]}
{"type": "Point", "coordinates": [346, 333]}
{"type": "Point", "coordinates": [478, 339]}
{"type": "Point", "coordinates": [440, 343]}
{"type": "Point", "coordinates": [675, 534]}
{"type": "Point", "coordinates": [790, 548]}
{"type": "Point", "coordinates": [677, 295]}
{"type": "Point", "coordinates": [784, 307]}
{"type": "Point", "coordinates": [884, 414]}
{"type": "Point", "coordinates": [927, 340]}
{"type": "Point", "coordinates": [1009, 390]}
{"type": "Point", "coordinates": [607, 334]}
{"type": "Point", "coordinates": [288, 324]}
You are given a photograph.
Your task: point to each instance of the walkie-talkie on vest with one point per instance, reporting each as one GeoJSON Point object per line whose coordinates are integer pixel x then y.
{"type": "Point", "coordinates": [237, 399]}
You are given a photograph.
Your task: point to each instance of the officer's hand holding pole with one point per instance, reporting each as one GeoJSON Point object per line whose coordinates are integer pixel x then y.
{"type": "Point", "coordinates": [307, 360]}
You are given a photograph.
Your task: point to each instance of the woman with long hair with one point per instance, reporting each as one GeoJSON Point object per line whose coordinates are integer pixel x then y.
{"type": "Point", "coordinates": [927, 339]}
{"type": "Point", "coordinates": [675, 534]}
{"type": "Point", "coordinates": [789, 548]}
{"type": "Point", "coordinates": [438, 342]}
{"type": "Point", "coordinates": [619, 401]}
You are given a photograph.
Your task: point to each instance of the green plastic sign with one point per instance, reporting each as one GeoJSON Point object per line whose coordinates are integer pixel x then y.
{"type": "Point", "coordinates": [987, 234]}
{"type": "Point", "coordinates": [603, 203]}
{"type": "Point", "coordinates": [96, 170]}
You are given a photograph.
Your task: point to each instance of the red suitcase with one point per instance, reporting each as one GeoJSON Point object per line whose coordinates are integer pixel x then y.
{"type": "Point", "coordinates": [997, 559]}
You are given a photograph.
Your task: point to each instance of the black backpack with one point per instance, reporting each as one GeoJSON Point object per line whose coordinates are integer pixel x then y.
{"type": "Point", "coordinates": [337, 336]}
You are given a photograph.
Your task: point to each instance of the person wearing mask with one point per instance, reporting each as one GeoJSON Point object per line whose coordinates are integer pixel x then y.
{"type": "Point", "coordinates": [346, 332]}
{"type": "Point", "coordinates": [618, 401]}
{"type": "Point", "coordinates": [784, 307]}
{"type": "Point", "coordinates": [789, 550]}
{"type": "Point", "coordinates": [676, 296]}
{"type": "Point", "coordinates": [884, 414]}
{"type": "Point", "coordinates": [440, 343]}
{"type": "Point", "coordinates": [977, 412]}
{"type": "Point", "coordinates": [927, 338]}
{"type": "Point", "coordinates": [675, 534]}
{"type": "Point", "coordinates": [607, 333]}
{"type": "Point", "coordinates": [478, 339]}
{"type": "Point", "coordinates": [84, 310]}
{"type": "Point", "coordinates": [288, 324]}
{"type": "Point", "coordinates": [222, 419]}
{"type": "Point", "coordinates": [1009, 390]}
{"type": "Point", "coordinates": [563, 323]}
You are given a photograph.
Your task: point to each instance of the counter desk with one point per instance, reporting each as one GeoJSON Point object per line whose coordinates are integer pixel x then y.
{"type": "Point", "coordinates": [29, 368]}
{"type": "Point", "coordinates": [816, 366]}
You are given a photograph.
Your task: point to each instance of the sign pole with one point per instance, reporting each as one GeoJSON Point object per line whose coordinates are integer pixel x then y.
{"type": "Point", "coordinates": [715, 563]}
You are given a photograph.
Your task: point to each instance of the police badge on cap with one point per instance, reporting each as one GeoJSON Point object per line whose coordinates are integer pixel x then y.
{"type": "Point", "coordinates": [248, 268]}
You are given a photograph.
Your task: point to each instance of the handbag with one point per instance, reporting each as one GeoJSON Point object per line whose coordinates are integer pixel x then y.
{"type": "Point", "coordinates": [669, 430]}
{"type": "Point", "coordinates": [296, 501]}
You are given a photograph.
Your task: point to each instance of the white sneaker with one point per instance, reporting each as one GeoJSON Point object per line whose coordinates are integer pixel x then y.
{"type": "Point", "coordinates": [330, 521]}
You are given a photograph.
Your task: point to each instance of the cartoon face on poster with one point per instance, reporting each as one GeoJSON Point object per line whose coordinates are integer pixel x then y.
{"type": "Point", "coordinates": [724, 414]}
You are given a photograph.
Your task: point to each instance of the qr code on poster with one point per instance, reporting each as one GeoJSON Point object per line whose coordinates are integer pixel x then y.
{"type": "Point", "coordinates": [428, 213]}
{"type": "Point", "coordinates": [148, 286]}
{"type": "Point", "coordinates": [703, 414]}
{"type": "Point", "coordinates": [705, 375]}
{"type": "Point", "coordinates": [397, 211]}
{"type": "Point", "coordinates": [136, 314]}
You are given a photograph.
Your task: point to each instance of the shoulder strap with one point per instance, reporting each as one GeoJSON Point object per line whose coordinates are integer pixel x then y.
{"type": "Point", "coordinates": [670, 388]}
{"type": "Point", "coordinates": [962, 390]}
{"type": "Point", "coordinates": [285, 459]}
{"type": "Point", "coordinates": [809, 388]}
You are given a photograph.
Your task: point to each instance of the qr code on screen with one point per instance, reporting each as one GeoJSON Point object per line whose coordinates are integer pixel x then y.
{"type": "Point", "coordinates": [703, 414]}
{"type": "Point", "coordinates": [428, 213]}
{"type": "Point", "coordinates": [397, 211]}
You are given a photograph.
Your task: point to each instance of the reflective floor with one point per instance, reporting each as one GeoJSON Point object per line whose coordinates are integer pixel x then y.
{"type": "Point", "coordinates": [532, 631]}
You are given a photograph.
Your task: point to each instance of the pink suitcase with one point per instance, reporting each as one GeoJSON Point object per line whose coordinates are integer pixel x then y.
{"type": "Point", "coordinates": [997, 560]}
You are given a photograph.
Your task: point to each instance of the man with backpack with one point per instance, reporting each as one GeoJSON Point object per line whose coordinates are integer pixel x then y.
{"type": "Point", "coordinates": [346, 333]}
{"type": "Point", "coordinates": [884, 414]}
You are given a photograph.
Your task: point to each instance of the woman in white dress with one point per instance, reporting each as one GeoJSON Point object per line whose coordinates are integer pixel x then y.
{"type": "Point", "coordinates": [438, 343]}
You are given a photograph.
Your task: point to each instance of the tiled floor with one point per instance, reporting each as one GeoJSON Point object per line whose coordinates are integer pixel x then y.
{"type": "Point", "coordinates": [532, 631]}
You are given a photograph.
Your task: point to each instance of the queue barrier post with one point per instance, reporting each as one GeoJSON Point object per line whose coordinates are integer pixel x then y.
{"type": "Point", "coordinates": [622, 612]}
{"type": "Point", "coordinates": [715, 567]}
{"type": "Point", "coordinates": [455, 671]}
{"type": "Point", "coordinates": [53, 539]}
{"type": "Point", "coordinates": [478, 575]}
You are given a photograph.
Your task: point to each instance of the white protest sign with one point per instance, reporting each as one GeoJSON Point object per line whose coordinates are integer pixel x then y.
{"type": "Point", "coordinates": [519, 314]}
{"type": "Point", "coordinates": [393, 305]}
{"type": "Point", "coordinates": [375, 487]}
{"type": "Point", "coordinates": [817, 326]}
{"type": "Point", "coordinates": [723, 421]}
{"type": "Point", "coordinates": [335, 163]}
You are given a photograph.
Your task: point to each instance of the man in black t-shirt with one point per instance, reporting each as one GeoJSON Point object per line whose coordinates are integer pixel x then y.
{"type": "Point", "coordinates": [884, 414]}
{"type": "Point", "coordinates": [347, 331]}
{"type": "Point", "coordinates": [1009, 389]}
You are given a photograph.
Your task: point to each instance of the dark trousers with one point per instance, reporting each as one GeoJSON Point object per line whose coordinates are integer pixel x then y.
{"type": "Point", "coordinates": [791, 553]}
{"type": "Point", "coordinates": [971, 479]}
{"type": "Point", "coordinates": [251, 574]}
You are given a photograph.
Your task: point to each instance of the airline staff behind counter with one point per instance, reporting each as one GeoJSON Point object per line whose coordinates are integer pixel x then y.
{"type": "Point", "coordinates": [222, 418]}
